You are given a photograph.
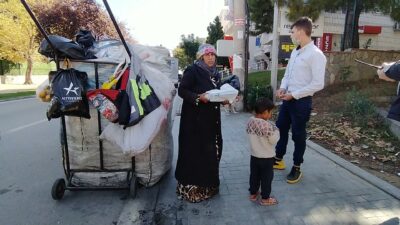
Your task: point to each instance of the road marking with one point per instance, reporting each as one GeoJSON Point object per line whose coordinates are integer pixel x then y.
{"type": "Point", "coordinates": [25, 126]}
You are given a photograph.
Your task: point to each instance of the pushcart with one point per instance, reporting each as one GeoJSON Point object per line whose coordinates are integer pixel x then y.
{"type": "Point", "coordinates": [61, 184]}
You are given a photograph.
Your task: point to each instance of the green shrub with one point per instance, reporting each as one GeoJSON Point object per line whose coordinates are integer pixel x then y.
{"type": "Point", "coordinates": [255, 92]}
{"type": "Point", "coordinates": [359, 108]}
{"type": "Point", "coordinates": [344, 73]}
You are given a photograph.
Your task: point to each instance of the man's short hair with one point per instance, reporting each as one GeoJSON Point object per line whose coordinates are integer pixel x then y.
{"type": "Point", "coordinates": [303, 23]}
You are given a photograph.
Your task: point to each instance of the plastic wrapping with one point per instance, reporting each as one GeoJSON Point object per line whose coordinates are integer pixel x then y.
{"type": "Point", "coordinates": [155, 156]}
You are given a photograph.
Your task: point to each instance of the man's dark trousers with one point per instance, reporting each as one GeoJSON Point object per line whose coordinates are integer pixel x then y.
{"type": "Point", "coordinates": [295, 114]}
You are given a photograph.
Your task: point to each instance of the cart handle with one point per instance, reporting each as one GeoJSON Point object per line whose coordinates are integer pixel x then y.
{"type": "Point", "coordinates": [117, 28]}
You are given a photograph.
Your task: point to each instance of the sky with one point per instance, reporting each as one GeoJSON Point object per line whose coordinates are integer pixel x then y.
{"type": "Point", "coordinates": [162, 22]}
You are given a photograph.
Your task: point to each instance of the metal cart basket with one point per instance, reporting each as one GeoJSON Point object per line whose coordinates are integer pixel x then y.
{"type": "Point", "coordinates": [60, 185]}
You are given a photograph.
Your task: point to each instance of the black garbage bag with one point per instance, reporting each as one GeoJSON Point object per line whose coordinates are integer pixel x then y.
{"type": "Point", "coordinates": [64, 47]}
{"type": "Point", "coordinates": [86, 40]}
{"type": "Point", "coordinates": [69, 95]}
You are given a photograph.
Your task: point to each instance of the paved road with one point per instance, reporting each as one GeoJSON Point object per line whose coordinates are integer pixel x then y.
{"type": "Point", "coordinates": [327, 194]}
{"type": "Point", "coordinates": [30, 161]}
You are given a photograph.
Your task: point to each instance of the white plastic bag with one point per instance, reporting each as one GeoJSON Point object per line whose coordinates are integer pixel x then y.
{"type": "Point", "coordinates": [226, 92]}
{"type": "Point", "coordinates": [43, 91]}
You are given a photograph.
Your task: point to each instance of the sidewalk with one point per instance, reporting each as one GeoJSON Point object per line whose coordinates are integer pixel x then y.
{"type": "Point", "coordinates": [327, 194]}
{"type": "Point", "coordinates": [13, 88]}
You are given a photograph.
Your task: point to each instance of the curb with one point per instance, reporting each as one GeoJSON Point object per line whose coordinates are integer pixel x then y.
{"type": "Point", "coordinates": [375, 181]}
{"type": "Point", "coordinates": [17, 98]}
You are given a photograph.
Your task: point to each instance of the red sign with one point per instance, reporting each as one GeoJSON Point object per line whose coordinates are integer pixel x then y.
{"type": "Point", "coordinates": [226, 37]}
{"type": "Point", "coordinates": [370, 29]}
{"type": "Point", "coordinates": [325, 42]}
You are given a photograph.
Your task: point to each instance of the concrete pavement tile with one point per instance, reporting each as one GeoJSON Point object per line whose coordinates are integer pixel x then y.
{"type": "Point", "coordinates": [392, 221]}
{"type": "Point", "coordinates": [387, 203]}
{"type": "Point", "coordinates": [342, 208]}
{"type": "Point", "coordinates": [309, 220]}
{"type": "Point", "coordinates": [268, 220]}
{"type": "Point", "coordinates": [376, 196]}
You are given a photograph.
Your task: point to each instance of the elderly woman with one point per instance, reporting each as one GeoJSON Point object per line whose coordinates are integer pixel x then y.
{"type": "Point", "coordinates": [200, 141]}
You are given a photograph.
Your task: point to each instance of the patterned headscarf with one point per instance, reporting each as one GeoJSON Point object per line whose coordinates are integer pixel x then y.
{"type": "Point", "coordinates": [212, 71]}
{"type": "Point", "coordinates": [205, 49]}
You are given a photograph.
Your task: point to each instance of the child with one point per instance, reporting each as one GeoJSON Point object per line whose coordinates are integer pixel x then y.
{"type": "Point", "coordinates": [263, 136]}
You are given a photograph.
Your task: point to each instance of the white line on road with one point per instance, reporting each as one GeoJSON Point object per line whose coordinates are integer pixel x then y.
{"type": "Point", "coordinates": [25, 126]}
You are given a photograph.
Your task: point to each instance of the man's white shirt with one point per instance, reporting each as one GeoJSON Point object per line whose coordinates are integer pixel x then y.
{"type": "Point", "coordinates": [305, 72]}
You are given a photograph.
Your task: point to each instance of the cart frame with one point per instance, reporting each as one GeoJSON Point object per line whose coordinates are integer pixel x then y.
{"type": "Point", "coordinates": [59, 186]}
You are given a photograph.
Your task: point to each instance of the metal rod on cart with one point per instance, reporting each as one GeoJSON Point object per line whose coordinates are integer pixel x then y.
{"type": "Point", "coordinates": [38, 24]}
{"type": "Point", "coordinates": [96, 75]}
{"type": "Point", "coordinates": [117, 27]}
{"type": "Point", "coordinates": [64, 129]}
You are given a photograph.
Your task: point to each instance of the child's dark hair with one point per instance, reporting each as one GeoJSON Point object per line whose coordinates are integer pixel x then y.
{"type": "Point", "coordinates": [303, 23]}
{"type": "Point", "coordinates": [263, 104]}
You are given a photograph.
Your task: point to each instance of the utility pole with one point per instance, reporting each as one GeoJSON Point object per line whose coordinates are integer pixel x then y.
{"type": "Point", "coordinates": [274, 53]}
{"type": "Point", "coordinates": [239, 56]}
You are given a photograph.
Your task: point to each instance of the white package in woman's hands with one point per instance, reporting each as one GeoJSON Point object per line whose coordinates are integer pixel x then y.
{"type": "Point", "coordinates": [226, 92]}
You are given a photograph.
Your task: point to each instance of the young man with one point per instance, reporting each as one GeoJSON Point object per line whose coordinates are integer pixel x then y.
{"type": "Point", "coordinates": [303, 77]}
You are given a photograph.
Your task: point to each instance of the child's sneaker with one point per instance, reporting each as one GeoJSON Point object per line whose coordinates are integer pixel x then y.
{"type": "Point", "coordinates": [294, 176]}
{"type": "Point", "coordinates": [279, 164]}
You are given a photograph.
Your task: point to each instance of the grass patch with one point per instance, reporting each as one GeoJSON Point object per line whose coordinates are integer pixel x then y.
{"type": "Point", "coordinates": [263, 77]}
{"type": "Point", "coordinates": [39, 68]}
{"type": "Point", "coordinates": [7, 96]}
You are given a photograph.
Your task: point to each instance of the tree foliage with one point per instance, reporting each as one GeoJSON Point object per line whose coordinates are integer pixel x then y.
{"type": "Point", "coordinates": [65, 18]}
{"type": "Point", "coordinates": [215, 32]}
{"type": "Point", "coordinates": [16, 32]}
{"type": "Point", "coordinates": [183, 60]}
{"type": "Point", "coordinates": [261, 13]}
{"type": "Point", "coordinates": [17, 35]}
{"type": "Point", "coordinates": [186, 52]}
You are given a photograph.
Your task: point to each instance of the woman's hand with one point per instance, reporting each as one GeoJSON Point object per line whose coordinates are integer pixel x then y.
{"type": "Point", "coordinates": [225, 102]}
{"type": "Point", "coordinates": [203, 98]}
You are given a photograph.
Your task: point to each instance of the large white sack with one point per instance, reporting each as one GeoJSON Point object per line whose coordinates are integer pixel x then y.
{"type": "Point", "coordinates": [84, 148]}
{"type": "Point", "coordinates": [153, 163]}
{"type": "Point", "coordinates": [83, 138]}
{"type": "Point", "coordinates": [136, 139]}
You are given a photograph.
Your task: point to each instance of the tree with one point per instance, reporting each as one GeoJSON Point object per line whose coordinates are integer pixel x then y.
{"type": "Point", "coordinates": [189, 46]}
{"type": "Point", "coordinates": [215, 33]}
{"type": "Point", "coordinates": [17, 36]}
{"type": "Point", "coordinates": [65, 18]}
{"type": "Point", "coordinates": [183, 60]}
{"type": "Point", "coordinates": [261, 14]}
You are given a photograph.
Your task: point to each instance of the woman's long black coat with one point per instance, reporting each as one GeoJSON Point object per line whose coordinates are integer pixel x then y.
{"type": "Point", "coordinates": [200, 141]}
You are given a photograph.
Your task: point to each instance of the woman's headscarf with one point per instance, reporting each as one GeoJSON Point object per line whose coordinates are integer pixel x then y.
{"type": "Point", "coordinates": [212, 71]}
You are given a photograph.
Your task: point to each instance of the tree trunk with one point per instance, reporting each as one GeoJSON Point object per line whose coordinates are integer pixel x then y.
{"type": "Point", "coordinates": [28, 73]}
{"type": "Point", "coordinates": [350, 37]}
{"type": "Point", "coordinates": [357, 12]}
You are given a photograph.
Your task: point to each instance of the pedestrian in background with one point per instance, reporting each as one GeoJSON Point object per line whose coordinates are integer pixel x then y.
{"type": "Point", "coordinates": [263, 136]}
{"type": "Point", "coordinates": [391, 72]}
{"type": "Point", "coordinates": [303, 77]}
{"type": "Point", "coordinates": [200, 139]}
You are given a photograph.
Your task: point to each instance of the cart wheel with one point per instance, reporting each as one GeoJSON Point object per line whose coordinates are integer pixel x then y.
{"type": "Point", "coordinates": [133, 187]}
{"type": "Point", "coordinates": [58, 189]}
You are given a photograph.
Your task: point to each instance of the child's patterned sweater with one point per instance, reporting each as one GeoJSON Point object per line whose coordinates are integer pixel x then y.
{"type": "Point", "coordinates": [263, 136]}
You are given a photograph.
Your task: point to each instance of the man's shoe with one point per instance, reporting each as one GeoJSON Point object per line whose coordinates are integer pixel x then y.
{"type": "Point", "coordinates": [279, 164]}
{"type": "Point", "coordinates": [294, 176]}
